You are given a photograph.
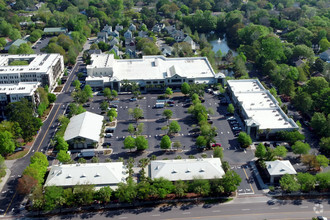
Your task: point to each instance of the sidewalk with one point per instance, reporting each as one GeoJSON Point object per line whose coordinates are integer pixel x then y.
{"type": "Point", "coordinates": [4, 179]}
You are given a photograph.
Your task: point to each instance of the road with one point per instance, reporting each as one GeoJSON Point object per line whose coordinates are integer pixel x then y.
{"type": "Point", "coordinates": [10, 200]}
{"type": "Point", "coordinates": [243, 208]}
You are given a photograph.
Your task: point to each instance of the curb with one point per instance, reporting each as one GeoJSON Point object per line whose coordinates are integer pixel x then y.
{"type": "Point", "coordinates": [5, 179]}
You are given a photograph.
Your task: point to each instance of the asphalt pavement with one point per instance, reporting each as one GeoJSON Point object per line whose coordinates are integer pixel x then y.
{"type": "Point", "coordinates": [244, 208]}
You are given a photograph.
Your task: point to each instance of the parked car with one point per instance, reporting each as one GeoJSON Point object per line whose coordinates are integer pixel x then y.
{"type": "Point", "coordinates": [234, 125]}
{"type": "Point", "coordinates": [231, 119]}
{"type": "Point", "coordinates": [170, 102]}
{"type": "Point", "coordinates": [237, 128]}
{"type": "Point", "coordinates": [18, 149]}
{"type": "Point", "coordinates": [108, 135]}
{"type": "Point", "coordinates": [86, 105]}
{"type": "Point", "coordinates": [113, 106]}
{"type": "Point", "coordinates": [106, 144]}
{"type": "Point", "coordinates": [216, 145]}
{"type": "Point", "coordinates": [133, 99]}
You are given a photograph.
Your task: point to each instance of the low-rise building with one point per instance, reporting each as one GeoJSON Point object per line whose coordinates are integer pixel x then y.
{"type": "Point", "coordinates": [258, 108]}
{"type": "Point", "coordinates": [96, 174]}
{"type": "Point", "coordinates": [15, 92]}
{"type": "Point", "coordinates": [276, 169]}
{"type": "Point", "coordinates": [16, 43]}
{"type": "Point", "coordinates": [55, 30]}
{"type": "Point", "coordinates": [186, 169]}
{"type": "Point", "coordinates": [84, 130]}
{"type": "Point", "coordinates": [325, 56]}
{"type": "Point", "coordinates": [43, 68]}
{"type": "Point", "coordinates": [104, 70]}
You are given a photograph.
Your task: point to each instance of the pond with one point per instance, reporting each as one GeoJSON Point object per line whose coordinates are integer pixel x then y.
{"type": "Point", "coordinates": [222, 45]}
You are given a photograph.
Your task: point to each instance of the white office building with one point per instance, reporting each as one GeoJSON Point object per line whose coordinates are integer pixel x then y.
{"type": "Point", "coordinates": [259, 108]}
{"type": "Point", "coordinates": [84, 130]}
{"type": "Point", "coordinates": [15, 92]}
{"type": "Point", "coordinates": [150, 72]}
{"type": "Point", "coordinates": [43, 68]}
{"type": "Point", "coordinates": [276, 169]}
{"type": "Point", "coordinates": [96, 174]}
{"type": "Point", "coordinates": [186, 169]}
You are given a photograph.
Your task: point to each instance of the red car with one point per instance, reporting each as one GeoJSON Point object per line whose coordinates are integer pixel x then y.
{"type": "Point", "coordinates": [216, 145]}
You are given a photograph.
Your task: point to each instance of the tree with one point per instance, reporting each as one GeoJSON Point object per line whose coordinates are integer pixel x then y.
{"type": "Point", "coordinates": [290, 136]}
{"type": "Point", "coordinates": [260, 151]}
{"type": "Point", "coordinates": [231, 109]}
{"type": "Point", "coordinates": [7, 144]}
{"type": "Point", "coordinates": [126, 192]}
{"type": "Point", "coordinates": [63, 156]}
{"type": "Point", "coordinates": [139, 129]}
{"type": "Point", "coordinates": [280, 151]}
{"type": "Point", "coordinates": [40, 159]}
{"type": "Point", "coordinates": [76, 84]}
{"type": "Point", "coordinates": [104, 105]}
{"type": "Point", "coordinates": [114, 93]}
{"type": "Point", "coordinates": [176, 144]}
{"type": "Point", "coordinates": [129, 143]}
{"type": "Point", "coordinates": [2, 167]}
{"type": "Point", "coordinates": [104, 194]}
{"type": "Point", "coordinates": [51, 97]}
{"type": "Point", "coordinates": [325, 144]}
{"type": "Point", "coordinates": [83, 194]}
{"type": "Point", "coordinates": [137, 113]}
{"type": "Point", "coordinates": [288, 183]}
{"type": "Point", "coordinates": [324, 44]}
{"type": "Point", "coordinates": [141, 143]}
{"type": "Point", "coordinates": [230, 181]}
{"type": "Point", "coordinates": [168, 92]}
{"type": "Point", "coordinates": [185, 88]}
{"type": "Point", "coordinates": [161, 187]}
{"type": "Point", "coordinates": [165, 143]}
{"type": "Point", "coordinates": [200, 186]}
{"type": "Point", "coordinates": [301, 148]}
{"type": "Point", "coordinates": [218, 153]}
{"type": "Point", "coordinates": [52, 196]}
{"type": "Point", "coordinates": [244, 139]}
{"type": "Point", "coordinates": [143, 189]}
{"type": "Point", "coordinates": [201, 142]}
{"type": "Point", "coordinates": [34, 173]}
{"type": "Point", "coordinates": [319, 123]}
{"type": "Point", "coordinates": [324, 180]}
{"type": "Point", "coordinates": [168, 114]}
{"type": "Point", "coordinates": [306, 181]}
{"type": "Point", "coordinates": [174, 127]}
{"type": "Point", "coordinates": [322, 160]}
{"type": "Point", "coordinates": [310, 161]}
{"type": "Point", "coordinates": [61, 144]}
{"type": "Point", "coordinates": [131, 129]}
{"type": "Point", "coordinates": [112, 113]}
{"type": "Point", "coordinates": [26, 184]}
{"type": "Point", "coordinates": [180, 188]}
{"type": "Point", "coordinates": [107, 93]}
{"type": "Point", "coordinates": [88, 90]}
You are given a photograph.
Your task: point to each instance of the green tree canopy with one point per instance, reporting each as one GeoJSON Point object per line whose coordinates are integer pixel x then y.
{"type": "Point", "coordinates": [129, 143]}
{"type": "Point", "coordinates": [141, 143]}
{"type": "Point", "coordinates": [7, 144]}
{"type": "Point", "coordinates": [301, 148]}
{"type": "Point", "coordinates": [174, 127]}
{"type": "Point", "coordinates": [244, 139]}
{"type": "Point", "coordinates": [288, 183]}
{"type": "Point", "coordinates": [185, 88]}
{"type": "Point", "coordinates": [165, 143]}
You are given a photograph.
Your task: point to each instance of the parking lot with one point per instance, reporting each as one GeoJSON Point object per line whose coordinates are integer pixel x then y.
{"type": "Point", "coordinates": [153, 122]}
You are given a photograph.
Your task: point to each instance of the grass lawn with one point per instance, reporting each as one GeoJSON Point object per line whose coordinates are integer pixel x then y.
{"type": "Point", "coordinates": [17, 155]}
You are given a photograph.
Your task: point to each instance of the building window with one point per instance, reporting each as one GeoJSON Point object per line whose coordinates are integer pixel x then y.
{"type": "Point", "coordinates": [161, 82]}
{"type": "Point", "coordinates": [148, 82]}
{"type": "Point", "coordinates": [191, 81]}
{"type": "Point", "coordinates": [176, 80]}
{"type": "Point", "coordinates": [155, 82]}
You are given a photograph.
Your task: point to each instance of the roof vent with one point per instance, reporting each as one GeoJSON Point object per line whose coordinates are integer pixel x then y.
{"type": "Point", "coordinates": [97, 175]}
{"type": "Point", "coordinates": [157, 168]}
{"type": "Point", "coordinates": [269, 166]}
{"type": "Point", "coordinates": [83, 175]}
{"type": "Point", "coordinates": [201, 170]}
{"type": "Point", "coordinates": [174, 171]}
{"type": "Point", "coordinates": [68, 176]}
{"type": "Point", "coordinates": [188, 171]}
{"type": "Point", "coordinates": [282, 170]}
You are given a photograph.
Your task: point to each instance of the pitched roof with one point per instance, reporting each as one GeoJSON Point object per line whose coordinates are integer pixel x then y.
{"type": "Point", "coordinates": [55, 29]}
{"type": "Point", "coordinates": [86, 125]}
{"type": "Point", "coordinates": [187, 169]}
{"type": "Point", "coordinates": [87, 174]}
{"type": "Point", "coordinates": [279, 167]}
{"type": "Point", "coordinates": [16, 43]}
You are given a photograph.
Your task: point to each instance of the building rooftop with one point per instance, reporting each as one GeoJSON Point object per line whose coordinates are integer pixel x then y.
{"type": "Point", "coordinates": [279, 167]}
{"type": "Point", "coordinates": [20, 88]}
{"type": "Point", "coordinates": [98, 174]}
{"type": "Point", "coordinates": [260, 105]}
{"type": "Point", "coordinates": [153, 67]}
{"type": "Point", "coordinates": [55, 29]}
{"type": "Point", "coordinates": [37, 62]}
{"type": "Point", "coordinates": [187, 169]}
{"type": "Point", "coordinates": [86, 125]}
